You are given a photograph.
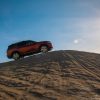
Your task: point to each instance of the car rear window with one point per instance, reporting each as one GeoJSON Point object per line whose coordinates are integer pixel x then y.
{"type": "Point", "coordinates": [12, 46]}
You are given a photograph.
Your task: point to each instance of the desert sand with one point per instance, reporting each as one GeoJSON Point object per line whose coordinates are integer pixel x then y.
{"type": "Point", "coordinates": [57, 75]}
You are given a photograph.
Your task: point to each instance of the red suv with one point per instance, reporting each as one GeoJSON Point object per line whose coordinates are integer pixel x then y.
{"type": "Point", "coordinates": [24, 48]}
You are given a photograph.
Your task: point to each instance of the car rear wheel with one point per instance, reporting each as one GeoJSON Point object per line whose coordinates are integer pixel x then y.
{"type": "Point", "coordinates": [16, 56]}
{"type": "Point", "coordinates": [44, 49]}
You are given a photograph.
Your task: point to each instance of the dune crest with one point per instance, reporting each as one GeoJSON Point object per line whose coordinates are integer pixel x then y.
{"type": "Point", "coordinates": [57, 75]}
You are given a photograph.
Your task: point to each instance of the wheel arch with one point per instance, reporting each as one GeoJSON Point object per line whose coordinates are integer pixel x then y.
{"type": "Point", "coordinates": [43, 45]}
{"type": "Point", "coordinates": [15, 52]}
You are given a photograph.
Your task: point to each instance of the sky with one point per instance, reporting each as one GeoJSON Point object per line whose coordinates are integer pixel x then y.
{"type": "Point", "coordinates": [68, 24]}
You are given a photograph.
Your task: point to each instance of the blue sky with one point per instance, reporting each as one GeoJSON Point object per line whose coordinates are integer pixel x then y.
{"type": "Point", "coordinates": [68, 24]}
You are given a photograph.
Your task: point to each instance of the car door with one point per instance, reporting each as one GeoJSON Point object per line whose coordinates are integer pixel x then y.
{"type": "Point", "coordinates": [28, 47]}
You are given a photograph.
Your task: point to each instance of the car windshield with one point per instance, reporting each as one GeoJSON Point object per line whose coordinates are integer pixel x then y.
{"type": "Point", "coordinates": [30, 41]}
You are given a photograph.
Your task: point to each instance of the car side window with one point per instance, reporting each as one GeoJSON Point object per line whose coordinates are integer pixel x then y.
{"type": "Point", "coordinates": [21, 44]}
{"type": "Point", "coordinates": [25, 43]}
{"type": "Point", "coordinates": [29, 43]}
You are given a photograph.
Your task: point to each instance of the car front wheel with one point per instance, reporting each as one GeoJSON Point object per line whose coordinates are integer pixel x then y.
{"type": "Point", "coordinates": [16, 56]}
{"type": "Point", "coordinates": [44, 49]}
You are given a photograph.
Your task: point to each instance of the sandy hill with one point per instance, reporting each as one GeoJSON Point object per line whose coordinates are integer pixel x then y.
{"type": "Point", "coordinates": [57, 75]}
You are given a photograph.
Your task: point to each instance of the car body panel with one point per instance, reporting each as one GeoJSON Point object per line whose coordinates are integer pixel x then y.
{"type": "Point", "coordinates": [27, 48]}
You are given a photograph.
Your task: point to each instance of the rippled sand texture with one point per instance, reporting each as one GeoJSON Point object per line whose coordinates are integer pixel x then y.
{"type": "Point", "coordinates": [57, 75]}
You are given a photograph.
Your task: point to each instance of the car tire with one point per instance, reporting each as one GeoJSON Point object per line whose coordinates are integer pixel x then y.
{"type": "Point", "coordinates": [16, 56]}
{"type": "Point", "coordinates": [44, 49]}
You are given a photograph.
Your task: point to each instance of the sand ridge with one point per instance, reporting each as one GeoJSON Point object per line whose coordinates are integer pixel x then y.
{"type": "Point", "coordinates": [57, 75]}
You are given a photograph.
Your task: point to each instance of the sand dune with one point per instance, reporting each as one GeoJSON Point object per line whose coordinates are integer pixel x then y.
{"type": "Point", "coordinates": [57, 75]}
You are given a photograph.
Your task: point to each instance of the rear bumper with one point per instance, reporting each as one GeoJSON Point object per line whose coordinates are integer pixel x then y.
{"type": "Point", "coordinates": [9, 56]}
